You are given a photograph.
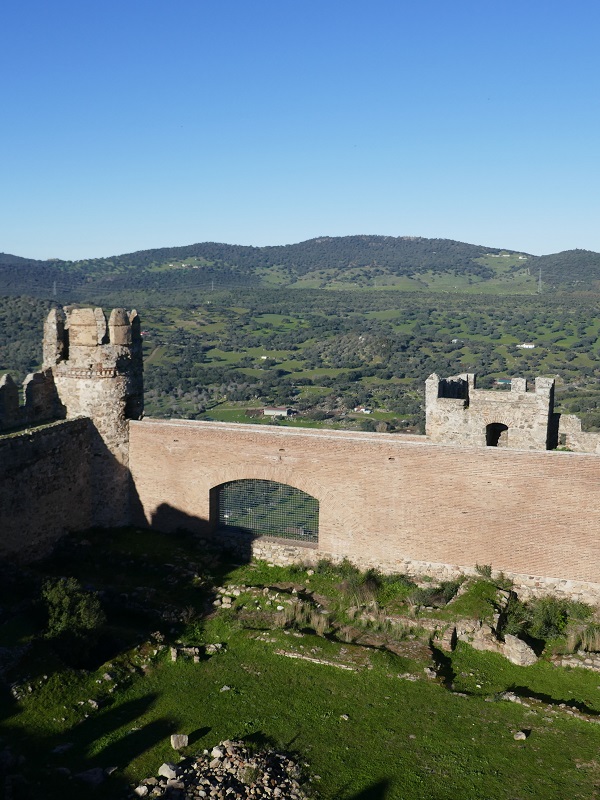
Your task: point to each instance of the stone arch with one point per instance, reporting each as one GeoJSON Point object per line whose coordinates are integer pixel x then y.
{"type": "Point", "coordinates": [496, 434]}
{"type": "Point", "coordinates": [264, 507]}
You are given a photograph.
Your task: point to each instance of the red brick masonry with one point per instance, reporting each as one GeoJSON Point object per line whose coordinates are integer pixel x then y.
{"type": "Point", "coordinates": [386, 499]}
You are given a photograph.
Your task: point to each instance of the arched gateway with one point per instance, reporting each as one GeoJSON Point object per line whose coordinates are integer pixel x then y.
{"type": "Point", "coordinates": [265, 508]}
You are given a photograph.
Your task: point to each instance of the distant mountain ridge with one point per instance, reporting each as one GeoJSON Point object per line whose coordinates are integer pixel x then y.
{"type": "Point", "coordinates": [322, 262]}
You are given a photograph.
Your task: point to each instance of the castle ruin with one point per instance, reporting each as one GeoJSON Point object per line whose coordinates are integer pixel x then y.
{"type": "Point", "coordinates": [499, 478]}
{"type": "Point", "coordinates": [458, 412]}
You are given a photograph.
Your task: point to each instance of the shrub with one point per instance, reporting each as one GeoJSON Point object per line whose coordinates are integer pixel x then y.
{"type": "Point", "coordinates": [436, 595]}
{"type": "Point", "coordinates": [549, 618]}
{"type": "Point", "coordinates": [73, 613]}
{"type": "Point", "coordinates": [514, 620]}
{"type": "Point", "coordinates": [346, 569]}
{"type": "Point", "coordinates": [394, 587]}
{"type": "Point", "coordinates": [500, 581]}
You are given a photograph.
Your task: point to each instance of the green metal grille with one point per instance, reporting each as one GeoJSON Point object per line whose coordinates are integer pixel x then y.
{"type": "Point", "coordinates": [268, 508]}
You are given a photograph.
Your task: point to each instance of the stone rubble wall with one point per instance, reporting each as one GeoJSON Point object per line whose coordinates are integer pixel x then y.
{"type": "Point", "coordinates": [573, 438]}
{"type": "Point", "coordinates": [580, 659]}
{"type": "Point", "coordinates": [45, 487]}
{"type": "Point", "coordinates": [284, 553]}
{"type": "Point", "coordinates": [40, 402]}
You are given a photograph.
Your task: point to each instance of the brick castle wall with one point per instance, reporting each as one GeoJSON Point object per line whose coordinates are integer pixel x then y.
{"type": "Point", "coordinates": [385, 500]}
{"type": "Point", "coordinates": [438, 505]}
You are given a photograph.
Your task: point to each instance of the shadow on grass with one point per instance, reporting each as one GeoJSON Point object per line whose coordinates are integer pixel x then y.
{"type": "Point", "coordinates": [61, 767]}
{"type": "Point", "coordinates": [443, 667]}
{"type": "Point", "coordinates": [529, 694]}
{"type": "Point", "coordinates": [147, 582]}
{"type": "Point", "coordinates": [376, 791]}
{"type": "Point", "coordinates": [259, 741]}
{"type": "Point", "coordinates": [198, 734]}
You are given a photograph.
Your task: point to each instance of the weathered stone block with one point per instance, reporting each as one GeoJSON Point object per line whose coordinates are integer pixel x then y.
{"type": "Point", "coordinates": [518, 651]}
{"type": "Point", "coordinates": [179, 740]}
{"type": "Point", "coordinates": [83, 329]}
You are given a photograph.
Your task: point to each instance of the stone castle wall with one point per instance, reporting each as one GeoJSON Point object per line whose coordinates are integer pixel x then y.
{"type": "Point", "coordinates": [73, 474]}
{"type": "Point", "coordinates": [573, 438]}
{"type": "Point", "coordinates": [45, 487]}
{"type": "Point", "coordinates": [35, 403]}
{"type": "Point", "coordinates": [96, 366]}
{"type": "Point", "coordinates": [459, 413]}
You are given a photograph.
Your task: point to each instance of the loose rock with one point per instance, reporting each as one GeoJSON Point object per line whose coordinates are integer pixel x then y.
{"type": "Point", "coordinates": [229, 771]}
{"type": "Point", "coordinates": [93, 777]}
{"type": "Point", "coordinates": [179, 740]}
{"type": "Point", "coordinates": [168, 770]}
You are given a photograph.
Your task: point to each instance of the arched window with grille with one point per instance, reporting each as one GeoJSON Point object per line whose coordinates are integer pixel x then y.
{"type": "Point", "coordinates": [265, 508]}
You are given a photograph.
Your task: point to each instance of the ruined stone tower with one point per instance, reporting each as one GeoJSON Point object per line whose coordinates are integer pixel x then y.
{"type": "Point", "coordinates": [458, 413]}
{"type": "Point", "coordinates": [97, 371]}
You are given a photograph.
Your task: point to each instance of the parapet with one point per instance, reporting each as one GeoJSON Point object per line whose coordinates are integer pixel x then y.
{"type": "Point", "coordinates": [40, 401]}
{"type": "Point", "coordinates": [97, 365]}
{"type": "Point", "coordinates": [459, 413]}
{"type": "Point", "coordinates": [572, 437]}
{"type": "Point", "coordinates": [81, 336]}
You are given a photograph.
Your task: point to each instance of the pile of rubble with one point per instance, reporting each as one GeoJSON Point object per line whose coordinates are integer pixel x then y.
{"type": "Point", "coordinates": [230, 770]}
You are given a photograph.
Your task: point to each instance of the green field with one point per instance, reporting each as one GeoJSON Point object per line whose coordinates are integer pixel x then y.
{"type": "Point", "coordinates": [383, 728]}
{"type": "Point", "coordinates": [324, 354]}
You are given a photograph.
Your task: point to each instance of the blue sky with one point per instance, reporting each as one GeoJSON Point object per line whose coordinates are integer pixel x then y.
{"type": "Point", "coordinates": [136, 124]}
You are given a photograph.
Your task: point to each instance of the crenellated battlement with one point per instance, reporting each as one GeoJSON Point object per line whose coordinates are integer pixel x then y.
{"type": "Point", "coordinates": [36, 402]}
{"type": "Point", "coordinates": [82, 336]}
{"type": "Point", "coordinates": [459, 413]}
{"type": "Point", "coordinates": [91, 368]}
{"type": "Point", "coordinates": [96, 364]}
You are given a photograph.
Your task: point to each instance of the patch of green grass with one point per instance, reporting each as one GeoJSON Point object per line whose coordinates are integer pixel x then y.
{"type": "Point", "coordinates": [229, 357]}
{"type": "Point", "coordinates": [225, 414]}
{"type": "Point", "coordinates": [408, 735]}
{"type": "Point", "coordinates": [368, 731]}
{"type": "Point", "coordinates": [477, 602]}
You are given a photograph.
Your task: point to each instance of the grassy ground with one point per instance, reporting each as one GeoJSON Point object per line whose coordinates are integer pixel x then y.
{"type": "Point", "coordinates": [380, 729]}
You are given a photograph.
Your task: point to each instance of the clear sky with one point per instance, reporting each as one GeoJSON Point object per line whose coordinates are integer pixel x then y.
{"type": "Point", "coordinates": [144, 123]}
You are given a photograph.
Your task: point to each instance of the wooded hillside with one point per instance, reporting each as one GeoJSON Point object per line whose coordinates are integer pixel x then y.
{"type": "Point", "coordinates": [411, 263]}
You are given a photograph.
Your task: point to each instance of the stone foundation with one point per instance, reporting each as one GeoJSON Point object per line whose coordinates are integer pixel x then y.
{"type": "Point", "coordinates": [284, 553]}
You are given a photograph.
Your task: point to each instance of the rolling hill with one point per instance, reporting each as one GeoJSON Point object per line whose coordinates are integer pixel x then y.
{"type": "Point", "coordinates": [406, 262]}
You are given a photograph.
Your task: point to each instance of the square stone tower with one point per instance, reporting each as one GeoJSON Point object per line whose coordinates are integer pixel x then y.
{"type": "Point", "coordinates": [459, 413]}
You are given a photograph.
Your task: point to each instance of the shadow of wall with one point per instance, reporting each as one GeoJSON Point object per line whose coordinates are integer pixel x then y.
{"type": "Point", "coordinates": [168, 519]}
{"type": "Point", "coordinates": [57, 479]}
{"type": "Point", "coordinates": [44, 486]}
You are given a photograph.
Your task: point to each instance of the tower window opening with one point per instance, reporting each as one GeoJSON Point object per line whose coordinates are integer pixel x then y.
{"type": "Point", "coordinates": [496, 435]}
